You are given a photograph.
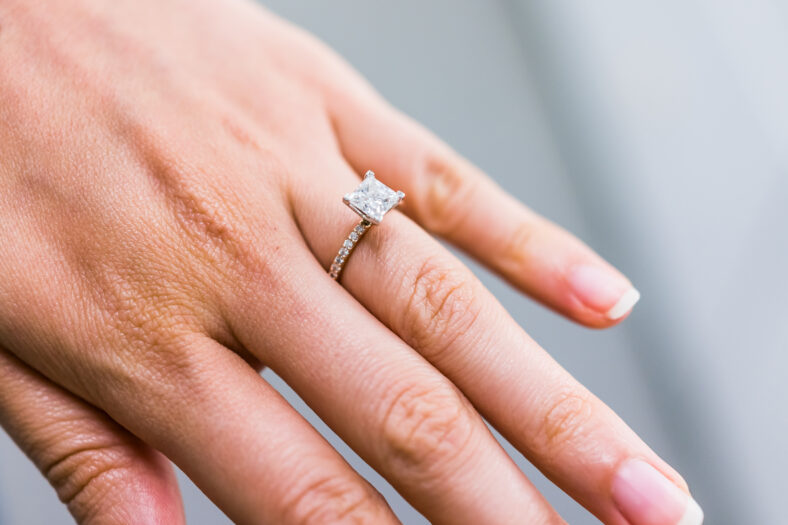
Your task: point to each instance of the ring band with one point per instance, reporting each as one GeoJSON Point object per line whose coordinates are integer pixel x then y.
{"type": "Point", "coordinates": [371, 200]}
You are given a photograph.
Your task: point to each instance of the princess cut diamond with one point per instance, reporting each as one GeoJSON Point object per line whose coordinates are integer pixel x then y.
{"type": "Point", "coordinates": [372, 199]}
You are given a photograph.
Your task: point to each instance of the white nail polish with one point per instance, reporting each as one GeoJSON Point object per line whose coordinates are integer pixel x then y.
{"type": "Point", "coordinates": [693, 515]}
{"type": "Point", "coordinates": [624, 304]}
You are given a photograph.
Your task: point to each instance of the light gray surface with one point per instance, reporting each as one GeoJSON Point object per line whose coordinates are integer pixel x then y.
{"type": "Point", "coordinates": [659, 133]}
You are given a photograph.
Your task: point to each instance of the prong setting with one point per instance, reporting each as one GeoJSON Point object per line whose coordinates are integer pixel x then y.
{"type": "Point", "coordinates": [371, 200]}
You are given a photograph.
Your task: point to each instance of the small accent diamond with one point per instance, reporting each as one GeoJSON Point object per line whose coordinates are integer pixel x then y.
{"type": "Point", "coordinates": [354, 236]}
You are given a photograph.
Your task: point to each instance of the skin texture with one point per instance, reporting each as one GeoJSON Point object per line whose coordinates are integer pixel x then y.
{"type": "Point", "coordinates": [170, 192]}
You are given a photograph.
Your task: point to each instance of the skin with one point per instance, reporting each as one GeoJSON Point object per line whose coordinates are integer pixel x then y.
{"type": "Point", "coordinates": [170, 193]}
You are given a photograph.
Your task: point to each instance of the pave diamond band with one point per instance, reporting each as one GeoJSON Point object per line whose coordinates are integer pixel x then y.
{"type": "Point", "coordinates": [371, 200]}
{"type": "Point", "coordinates": [347, 247]}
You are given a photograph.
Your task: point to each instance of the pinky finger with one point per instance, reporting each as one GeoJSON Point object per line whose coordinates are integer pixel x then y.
{"type": "Point", "coordinates": [100, 471]}
{"type": "Point", "coordinates": [453, 199]}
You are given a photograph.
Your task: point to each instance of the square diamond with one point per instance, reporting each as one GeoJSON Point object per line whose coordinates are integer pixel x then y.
{"type": "Point", "coordinates": [372, 199]}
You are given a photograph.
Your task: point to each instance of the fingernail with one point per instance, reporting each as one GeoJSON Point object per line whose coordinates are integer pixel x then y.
{"type": "Point", "coordinates": [645, 497]}
{"type": "Point", "coordinates": [603, 290]}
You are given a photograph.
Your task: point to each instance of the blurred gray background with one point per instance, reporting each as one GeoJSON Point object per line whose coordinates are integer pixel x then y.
{"type": "Point", "coordinates": [656, 131]}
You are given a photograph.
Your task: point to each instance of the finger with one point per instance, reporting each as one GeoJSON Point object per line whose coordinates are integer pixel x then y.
{"type": "Point", "coordinates": [403, 417]}
{"type": "Point", "coordinates": [241, 443]}
{"type": "Point", "coordinates": [101, 472]}
{"type": "Point", "coordinates": [450, 197]}
{"type": "Point", "coordinates": [428, 298]}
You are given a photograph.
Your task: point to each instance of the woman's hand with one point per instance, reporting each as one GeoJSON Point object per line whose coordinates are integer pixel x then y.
{"type": "Point", "coordinates": [170, 184]}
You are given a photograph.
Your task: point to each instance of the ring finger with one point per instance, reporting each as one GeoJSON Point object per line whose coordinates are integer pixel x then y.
{"type": "Point", "coordinates": [427, 297]}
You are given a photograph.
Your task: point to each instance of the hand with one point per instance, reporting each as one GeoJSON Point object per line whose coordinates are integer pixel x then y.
{"type": "Point", "coordinates": [170, 190]}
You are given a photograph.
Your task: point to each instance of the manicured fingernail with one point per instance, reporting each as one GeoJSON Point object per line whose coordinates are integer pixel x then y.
{"type": "Point", "coordinates": [624, 304]}
{"type": "Point", "coordinates": [645, 497]}
{"type": "Point", "coordinates": [603, 290]}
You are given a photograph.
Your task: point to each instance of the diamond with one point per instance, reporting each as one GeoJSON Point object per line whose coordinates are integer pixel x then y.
{"type": "Point", "coordinates": [372, 199]}
{"type": "Point", "coordinates": [343, 252]}
{"type": "Point", "coordinates": [353, 236]}
{"type": "Point", "coordinates": [348, 244]}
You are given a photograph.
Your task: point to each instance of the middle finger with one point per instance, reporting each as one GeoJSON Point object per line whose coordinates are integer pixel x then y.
{"type": "Point", "coordinates": [399, 413]}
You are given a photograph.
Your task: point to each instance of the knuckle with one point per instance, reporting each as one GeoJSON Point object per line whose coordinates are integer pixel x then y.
{"type": "Point", "coordinates": [528, 240]}
{"type": "Point", "coordinates": [176, 372]}
{"type": "Point", "coordinates": [82, 477]}
{"type": "Point", "coordinates": [334, 499]}
{"type": "Point", "coordinates": [517, 247]}
{"type": "Point", "coordinates": [174, 362]}
{"type": "Point", "coordinates": [424, 428]}
{"type": "Point", "coordinates": [448, 186]}
{"type": "Point", "coordinates": [143, 311]}
{"type": "Point", "coordinates": [197, 209]}
{"type": "Point", "coordinates": [442, 305]}
{"type": "Point", "coordinates": [565, 421]}
{"type": "Point", "coordinates": [147, 318]}
{"type": "Point", "coordinates": [217, 221]}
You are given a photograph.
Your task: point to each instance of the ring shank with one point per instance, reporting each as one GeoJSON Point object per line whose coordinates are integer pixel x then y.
{"type": "Point", "coordinates": [347, 248]}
